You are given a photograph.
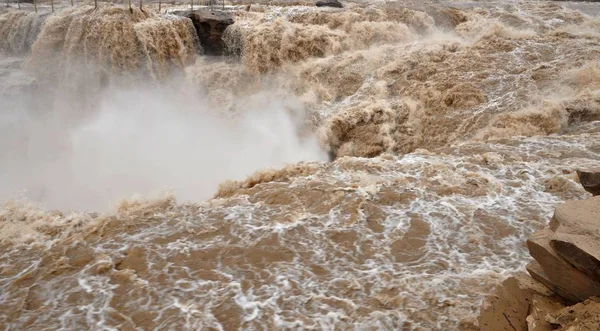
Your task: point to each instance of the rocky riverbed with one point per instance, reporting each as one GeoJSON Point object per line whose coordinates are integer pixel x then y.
{"type": "Point", "coordinates": [562, 290]}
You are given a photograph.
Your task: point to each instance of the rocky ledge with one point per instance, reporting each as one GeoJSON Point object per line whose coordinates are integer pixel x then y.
{"type": "Point", "coordinates": [329, 3]}
{"type": "Point", "coordinates": [590, 180]}
{"type": "Point", "coordinates": [210, 26]}
{"type": "Point", "coordinates": [562, 290]}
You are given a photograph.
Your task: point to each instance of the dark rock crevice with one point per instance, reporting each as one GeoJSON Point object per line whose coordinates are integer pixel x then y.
{"type": "Point", "coordinates": [329, 3]}
{"type": "Point", "coordinates": [210, 27]}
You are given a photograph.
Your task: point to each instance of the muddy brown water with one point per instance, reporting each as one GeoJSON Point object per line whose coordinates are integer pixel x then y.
{"type": "Point", "coordinates": [457, 127]}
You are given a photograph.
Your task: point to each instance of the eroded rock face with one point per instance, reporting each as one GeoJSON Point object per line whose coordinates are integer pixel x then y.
{"type": "Point", "coordinates": [523, 304]}
{"type": "Point", "coordinates": [540, 307]}
{"type": "Point", "coordinates": [581, 251]}
{"type": "Point", "coordinates": [573, 283]}
{"type": "Point", "coordinates": [535, 270]}
{"type": "Point", "coordinates": [582, 316]}
{"type": "Point", "coordinates": [576, 235]}
{"type": "Point", "coordinates": [518, 303]}
{"type": "Point", "coordinates": [210, 26]}
{"type": "Point", "coordinates": [566, 271]}
{"type": "Point", "coordinates": [568, 252]}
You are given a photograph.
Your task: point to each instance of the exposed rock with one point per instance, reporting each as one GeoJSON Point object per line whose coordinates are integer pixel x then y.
{"type": "Point", "coordinates": [574, 284]}
{"type": "Point", "coordinates": [512, 302]}
{"type": "Point", "coordinates": [580, 317]}
{"type": "Point", "coordinates": [210, 27]}
{"type": "Point", "coordinates": [537, 273]}
{"type": "Point", "coordinates": [590, 180]}
{"type": "Point", "coordinates": [581, 251]}
{"type": "Point", "coordinates": [566, 268]}
{"type": "Point", "coordinates": [578, 217]}
{"type": "Point", "coordinates": [329, 3]}
{"type": "Point", "coordinates": [576, 237]}
{"type": "Point", "coordinates": [541, 306]}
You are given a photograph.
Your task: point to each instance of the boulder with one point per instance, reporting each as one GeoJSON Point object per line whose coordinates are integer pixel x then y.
{"type": "Point", "coordinates": [329, 3]}
{"type": "Point", "coordinates": [578, 217]}
{"type": "Point", "coordinates": [574, 284]}
{"type": "Point", "coordinates": [590, 180]}
{"type": "Point", "coordinates": [566, 266]}
{"type": "Point", "coordinates": [210, 26]}
{"type": "Point", "coordinates": [535, 270]}
{"type": "Point", "coordinates": [576, 237]}
{"type": "Point", "coordinates": [581, 251]}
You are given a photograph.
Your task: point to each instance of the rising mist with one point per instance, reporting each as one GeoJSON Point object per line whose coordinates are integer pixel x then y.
{"type": "Point", "coordinates": [140, 140]}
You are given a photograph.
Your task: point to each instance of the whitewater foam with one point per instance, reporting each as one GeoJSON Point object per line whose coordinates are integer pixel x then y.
{"type": "Point", "coordinates": [456, 130]}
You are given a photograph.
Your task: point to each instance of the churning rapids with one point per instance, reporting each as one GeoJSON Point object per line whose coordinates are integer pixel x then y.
{"type": "Point", "coordinates": [456, 129]}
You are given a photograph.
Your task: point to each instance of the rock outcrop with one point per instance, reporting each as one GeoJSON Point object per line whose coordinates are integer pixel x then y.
{"type": "Point", "coordinates": [582, 316]}
{"type": "Point", "coordinates": [576, 235]}
{"type": "Point", "coordinates": [329, 3]}
{"type": "Point", "coordinates": [210, 27]}
{"type": "Point", "coordinates": [562, 276]}
{"type": "Point", "coordinates": [590, 180]}
{"type": "Point", "coordinates": [566, 271]}
{"type": "Point", "coordinates": [510, 308]}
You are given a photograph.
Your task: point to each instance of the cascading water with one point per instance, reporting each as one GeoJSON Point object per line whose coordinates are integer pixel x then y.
{"type": "Point", "coordinates": [456, 128]}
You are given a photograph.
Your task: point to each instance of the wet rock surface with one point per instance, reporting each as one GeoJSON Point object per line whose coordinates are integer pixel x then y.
{"type": "Point", "coordinates": [210, 26]}
{"type": "Point", "coordinates": [590, 180]}
{"type": "Point", "coordinates": [329, 3]}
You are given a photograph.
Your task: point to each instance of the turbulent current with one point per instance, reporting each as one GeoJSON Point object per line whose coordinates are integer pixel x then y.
{"type": "Point", "coordinates": [375, 167]}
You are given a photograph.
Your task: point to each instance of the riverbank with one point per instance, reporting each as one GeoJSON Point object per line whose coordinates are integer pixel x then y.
{"type": "Point", "coordinates": [562, 290]}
